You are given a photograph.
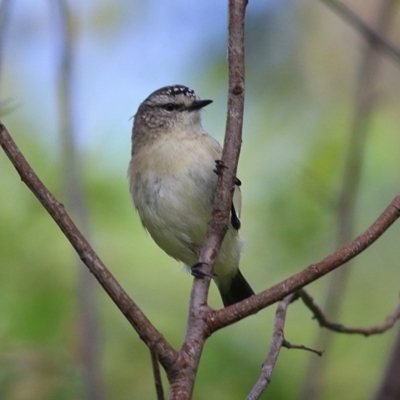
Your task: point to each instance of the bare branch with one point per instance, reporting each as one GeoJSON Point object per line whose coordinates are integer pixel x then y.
{"type": "Point", "coordinates": [147, 332]}
{"type": "Point", "coordinates": [197, 329]}
{"type": "Point", "coordinates": [231, 149]}
{"type": "Point", "coordinates": [334, 326]}
{"type": "Point", "coordinates": [227, 316]}
{"type": "Point", "coordinates": [363, 28]}
{"type": "Point", "coordinates": [274, 349]}
{"type": "Point", "coordinates": [278, 341]}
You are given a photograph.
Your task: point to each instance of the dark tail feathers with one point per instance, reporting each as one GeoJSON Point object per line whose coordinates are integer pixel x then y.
{"type": "Point", "coordinates": [237, 291]}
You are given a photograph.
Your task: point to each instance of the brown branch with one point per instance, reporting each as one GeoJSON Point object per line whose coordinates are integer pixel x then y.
{"type": "Point", "coordinates": [147, 332]}
{"type": "Point", "coordinates": [274, 349]}
{"type": "Point", "coordinates": [363, 28]}
{"type": "Point", "coordinates": [227, 316]}
{"type": "Point", "coordinates": [197, 329]}
{"type": "Point", "coordinates": [324, 322]}
{"type": "Point", "coordinates": [231, 150]}
{"type": "Point", "coordinates": [278, 341]}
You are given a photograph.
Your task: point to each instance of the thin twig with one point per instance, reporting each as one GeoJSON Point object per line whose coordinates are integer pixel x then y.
{"type": "Point", "coordinates": [147, 332]}
{"type": "Point", "coordinates": [157, 374]}
{"type": "Point", "coordinates": [357, 23]}
{"type": "Point", "coordinates": [289, 345]}
{"type": "Point", "coordinates": [274, 349]}
{"type": "Point", "coordinates": [324, 322]}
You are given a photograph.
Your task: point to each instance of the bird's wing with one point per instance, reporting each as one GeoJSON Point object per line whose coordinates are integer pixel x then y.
{"type": "Point", "coordinates": [236, 208]}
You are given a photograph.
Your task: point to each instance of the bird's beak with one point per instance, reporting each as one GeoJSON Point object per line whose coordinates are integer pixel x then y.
{"type": "Point", "coordinates": [197, 104]}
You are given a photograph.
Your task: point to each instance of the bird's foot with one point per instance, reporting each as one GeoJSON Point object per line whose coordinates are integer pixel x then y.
{"type": "Point", "coordinates": [196, 271]}
{"type": "Point", "coordinates": [219, 166]}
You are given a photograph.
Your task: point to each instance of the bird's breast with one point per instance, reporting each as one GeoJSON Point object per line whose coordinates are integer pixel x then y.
{"type": "Point", "coordinates": [173, 185]}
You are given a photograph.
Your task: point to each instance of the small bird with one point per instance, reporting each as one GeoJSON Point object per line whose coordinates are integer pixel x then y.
{"type": "Point", "coordinates": [172, 179]}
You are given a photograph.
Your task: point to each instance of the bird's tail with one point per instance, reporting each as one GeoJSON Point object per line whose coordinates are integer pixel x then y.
{"type": "Point", "coordinates": [238, 290]}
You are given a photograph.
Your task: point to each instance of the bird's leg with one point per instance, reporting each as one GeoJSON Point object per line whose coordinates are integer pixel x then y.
{"type": "Point", "coordinates": [196, 271]}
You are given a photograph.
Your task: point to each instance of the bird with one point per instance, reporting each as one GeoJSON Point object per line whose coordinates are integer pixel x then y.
{"type": "Point", "coordinates": [172, 180]}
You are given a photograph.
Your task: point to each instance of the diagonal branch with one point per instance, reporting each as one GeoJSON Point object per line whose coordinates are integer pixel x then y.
{"type": "Point", "coordinates": [227, 316]}
{"type": "Point", "coordinates": [147, 332]}
{"type": "Point", "coordinates": [324, 322]}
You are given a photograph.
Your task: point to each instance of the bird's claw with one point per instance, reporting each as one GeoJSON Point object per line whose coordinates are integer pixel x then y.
{"type": "Point", "coordinates": [219, 166]}
{"type": "Point", "coordinates": [196, 271]}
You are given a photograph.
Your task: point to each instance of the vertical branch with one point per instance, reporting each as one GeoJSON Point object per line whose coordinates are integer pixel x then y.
{"type": "Point", "coordinates": [365, 101]}
{"type": "Point", "coordinates": [197, 330]}
{"type": "Point", "coordinates": [89, 350]}
{"type": "Point", "coordinates": [234, 123]}
{"type": "Point", "coordinates": [231, 148]}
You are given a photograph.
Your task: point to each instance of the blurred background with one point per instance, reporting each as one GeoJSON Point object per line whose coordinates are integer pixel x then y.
{"type": "Point", "coordinates": [319, 162]}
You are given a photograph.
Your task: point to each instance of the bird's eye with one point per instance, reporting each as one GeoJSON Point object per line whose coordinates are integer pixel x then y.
{"type": "Point", "coordinates": [169, 107]}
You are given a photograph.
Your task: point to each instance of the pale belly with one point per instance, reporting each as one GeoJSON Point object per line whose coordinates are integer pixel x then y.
{"type": "Point", "coordinates": [175, 206]}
